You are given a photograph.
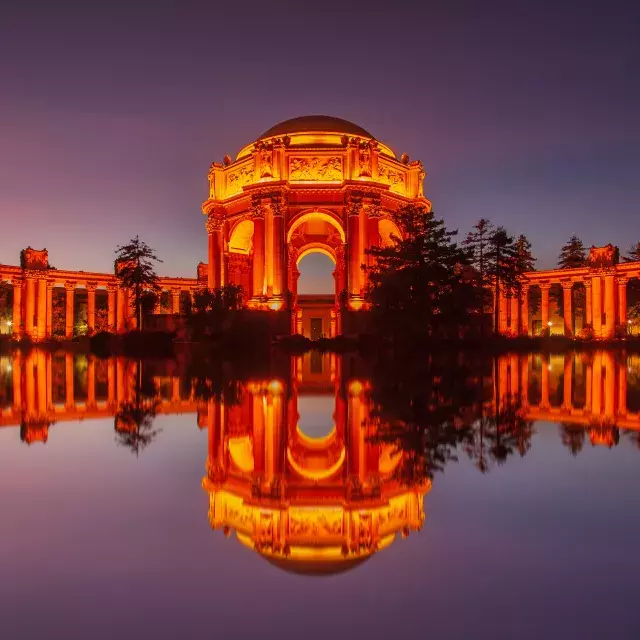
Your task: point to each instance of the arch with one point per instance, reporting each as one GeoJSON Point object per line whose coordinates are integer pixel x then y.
{"type": "Point", "coordinates": [302, 218]}
{"type": "Point", "coordinates": [241, 452]}
{"type": "Point", "coordinates": [315, 247]}
{"type": "Point", "coordinates": [387, 228]}
{"type": "Point", "coordinates": [241, 239]}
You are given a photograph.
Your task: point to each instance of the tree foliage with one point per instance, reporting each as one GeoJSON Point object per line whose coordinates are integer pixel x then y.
{"type": "Point", "coordinates": [135, 269]}
{"type": "Point", "coordinates": [633, 253]}
{"type": "Point", "coordinates": [420, 284]}
{"type": "Point", "coordinates": [211, 310]}
{"type": "Point", "coordinates": [573, 254]}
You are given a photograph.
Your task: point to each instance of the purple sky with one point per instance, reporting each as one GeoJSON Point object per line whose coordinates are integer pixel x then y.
{"type": "Point", "coordinates": [110, 113]}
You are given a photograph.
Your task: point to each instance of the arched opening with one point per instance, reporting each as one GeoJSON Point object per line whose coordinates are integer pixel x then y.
{"type": "Point", "coordinates": [241, 239]}
{"type": "Point", "coordinates": [313, 220]}
{"type": "Point", "coordinates": [316, 292]}
{"type": "Point", "coordinates": [388, 231]}
{"type": "Point", "coordinates": [316, 415]}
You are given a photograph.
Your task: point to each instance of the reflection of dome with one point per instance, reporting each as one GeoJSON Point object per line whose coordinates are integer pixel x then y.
{"type": "Point", "coordinates": [315, 124]}
{"type": "Point", "coordinates": [310, 568]}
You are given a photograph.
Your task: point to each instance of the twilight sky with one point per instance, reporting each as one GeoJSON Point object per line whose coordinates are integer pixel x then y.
{"type": "Point", "coordinates": [110, 113]}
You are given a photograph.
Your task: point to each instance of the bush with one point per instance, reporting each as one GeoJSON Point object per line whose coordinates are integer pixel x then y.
{"type": "Point", "coordinates": [586, 333]}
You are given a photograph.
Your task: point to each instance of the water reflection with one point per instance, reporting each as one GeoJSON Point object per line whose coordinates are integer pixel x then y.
{"type": "Point", "coordinates": [321, 494]}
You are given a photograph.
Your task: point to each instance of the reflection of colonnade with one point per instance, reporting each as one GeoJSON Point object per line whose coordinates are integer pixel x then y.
{"type": "Point", "coordinates": [33, 296]}
{"type": "Point", "coordinates": [605, 296]}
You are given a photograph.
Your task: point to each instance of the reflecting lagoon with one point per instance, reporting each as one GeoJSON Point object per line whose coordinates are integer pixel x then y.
{"type": "Point", "coordinates": [320, 496]}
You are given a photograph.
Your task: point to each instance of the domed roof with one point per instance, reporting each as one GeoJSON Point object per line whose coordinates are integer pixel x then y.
{"type": "Point", "coordinates": [311, 568]}
{"type": "Point", "coordinates": [307, 124]}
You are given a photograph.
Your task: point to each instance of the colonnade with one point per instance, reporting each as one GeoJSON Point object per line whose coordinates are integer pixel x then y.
{"type": "Point", "coordinates": [605, 300]}
{"type": "Point", "coordinates": [33, 299]}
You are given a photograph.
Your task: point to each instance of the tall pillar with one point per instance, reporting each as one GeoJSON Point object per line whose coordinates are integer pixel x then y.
{"type": "Point", "coordinates": [42, 309]}
{"type": "Point", "coordinates": [373, 233]}
{"type": "Point", "coordinates": [30, 307]}
{"type": "Point", "coordinates": [121, 311]}
{"type": "Point", "coordinates": [111, 306]}
{"type": "Point", "coordinates": [111, 382]}
{"type": "Point", "coordinates": [278, 251]}
{"type": "Point", "coordinates": [70, 288]}
{"type": "Point", "coordinates": [69, 401]}
{"type": "Point", "coordinates": [91, 306]}
{"type": "Point", "coordinates": [353, 230]}
{"type": "Point", "coordinates": [589, 302]}
{"type": "Point", "coordinates": [502, 312]}
{"type": "Point", "coordinates": [596, 385]}
{"type": "Point", "coordinates": [524, 381]}
{"type": "Point", "coordinates": [524, 311]}
{"type": "Point", "coordinates": [175, 301]}
{"type": "Point", "coordinates": [91, 382]}
{"type": "Point", "coordinates": [609, 306]}
{"type": "Point", "coordinates": [596, 303]}
{"type": "Point", "coordinates": [514, 327]}
{"type": "Point", "coordinates": [49, 325]}
{"type": "Point", "coordinates": [622, 299]}
{"type": "Point", "coordinates": [214, 229]}
{"type": "Point", "coordinates": [258, 253]}
{"type": "Point", "coordinates": [609, 386]}
{"type": "Point", "coordinates": [16, 318]}
{"type": "Point", "coordinates": [568, 307]}
{"type": "Point", "coordinates": [622, 388]}
{"type": "Point", "coordinates": [544, 291]}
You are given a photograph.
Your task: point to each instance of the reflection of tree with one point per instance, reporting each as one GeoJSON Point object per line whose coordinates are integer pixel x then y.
{"type": "Point", "coordinates": [573, 437]}
{"type": "Point", "coordinates": [421, 410]}
{"type": "Point", "coordinates": [134, 419]}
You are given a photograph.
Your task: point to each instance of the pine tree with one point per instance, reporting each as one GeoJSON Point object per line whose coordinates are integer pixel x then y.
{"type": "Point", "coordinates": [503, 267]}
{"type": "Point", "coordinates": [572, 254]}
{"type": "Point", "coordinates": [420, 284]}
{"type": "Point", "coordinates": [477, 243]}
{"type": "Point", "coordinates": [633, 254]}
{"type": "Point", "coordinates": [526, 261]}
{"type": "Point", "coordinates": [134, 268]}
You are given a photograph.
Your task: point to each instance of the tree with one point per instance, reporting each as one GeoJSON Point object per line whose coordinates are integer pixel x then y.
{"type": "Point", "coordinates": [633, 254]}
{"type": "Point", "coordinates": [503, 267]}
{"type": "Point", "coordinates": [420, 284]}
{"type": "Point", "coordinates": [477, 244]}
{"type": "Point", "coordinates": [210, 309]}
{"type": "Point", "coordinates": [573, 254]}
{"type": "Point", "coordinates": [526, 261]}
{"type": "Point", "coordinates": [134, 268]}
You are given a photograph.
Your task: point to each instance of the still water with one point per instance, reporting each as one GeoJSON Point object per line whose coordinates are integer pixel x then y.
{"type": "Point", "coordinates": [320, 497]}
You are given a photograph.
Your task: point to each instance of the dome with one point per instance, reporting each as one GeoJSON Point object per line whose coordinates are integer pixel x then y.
{"type": "Point", "coordinates": [315, 124]}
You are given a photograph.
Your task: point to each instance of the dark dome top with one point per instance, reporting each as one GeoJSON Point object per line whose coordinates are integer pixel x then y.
{"type": "Point", "coordinates": [310, 568]}
{"type": "Point", "coordinates": [305, 124]}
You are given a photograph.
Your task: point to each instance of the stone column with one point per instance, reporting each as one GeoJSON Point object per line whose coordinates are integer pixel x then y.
{"type": "Point", "coordinates": [111, 382]}
{"type": "Point", "coordinates": [121, 311]}
{"type": "Point", "coordinates": [42, 308]}
{"type": "Point", "coordinates": [622, 388]}
{"type": "Point", "coordinates": [214, 229]}
{"type": "Point", "coordinates": [70, 288]}
{"type": "Point", "coordinates": [30, 307]}
{"type": "Point", "coordinates": [16, 318]}
{"type": "Point", "coordinates": [524, 311]}
{"type": "Point", "coordinates": [278, 251]}
{"type": "Point", "coordinates": [524, 381]}
{"type": "Point", "coordinates": [544, 291]}
{"type": "Point", "coordinates": [596, 385]}
{"type": "Point", "coordinates": [596, 300]}
{"type": "Point", "coordinates": [544, 400]}
{"type": "Point", "coordinates": [69, 401]}
{"type": "Point", "coordinates": [111, 306]}
{"type": "Point", "coordinates": [50, 285]}
{"type": "Point", "coordinates": [258, 253]}
{"type": "Point", "coordinates": [568, 307]}
{"type": "Point", "coordinates": [175, 301]}
{"type": "Point", "coordinates": [609, 386]}
{"type": "Point", "coordinates": [373, 233]}
{"type": "Point", "coordinates": [609, 306]}
{"type": "Point", "coordinates": [589, 303]}
{"type": "Point", "coordinates": [353, 230]}
{"type": "Point", "coordinates": [91, 382]}
{"type": "Point", "coordinates": [622, 299]}
{"type": "Point", "coordinates": [514, 327]}
{"type": "Point", "coordinates": [91, 306]}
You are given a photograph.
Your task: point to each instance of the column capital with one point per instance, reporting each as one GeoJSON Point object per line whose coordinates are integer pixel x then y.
{"type": "Point", "coordinates": [70, 286]}
{"type": "Point", "coordinates": [36, 274]}
{"type": "Point", "coordinates": [51, 284]}
{"type": "Point", "coordinates": [214, 223]}
{"type": "Point", "coordinates": [112, 287]}
{"type": "Point", "coordinates": [91, 286]}
{"type": "Point", "coordinates": [587, 283]}
{"type": "Point", "coordinates": [544, 286]}
{"type": "Point", "coordinates": [566, 284]}
{"type": "Point", "coordinates": [18, 282]}
{"type": "Point", "coordinates": [622, 280]}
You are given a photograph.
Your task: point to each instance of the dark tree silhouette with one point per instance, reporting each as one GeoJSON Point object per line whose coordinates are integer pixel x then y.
{"type": "Point", "coordinates": [503, 267]}
{"type": "Point", "coordinates": [135, 269]}
{"type": "Point", "coordinates": [633, 254]}
{"type": "Point", "coordinates": [573, 254]}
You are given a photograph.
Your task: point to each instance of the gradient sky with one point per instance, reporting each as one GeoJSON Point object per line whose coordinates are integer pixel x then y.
{"type": "Point", "coordinates": [110, 113]}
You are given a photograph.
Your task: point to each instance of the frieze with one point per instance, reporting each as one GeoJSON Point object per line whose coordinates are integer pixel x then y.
{"type": "Point", "coordinates": [394, 178]}
{"type": "Point", "coordinates": [318, 168]}
{"type": "Point", "coordinates": [315, 522]}
{"type": "Point", "coordinates": [239, 178]}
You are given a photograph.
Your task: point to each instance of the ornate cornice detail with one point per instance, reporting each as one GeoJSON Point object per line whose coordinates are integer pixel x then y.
{"type": "Point", "coordinates": [261, 199]}
{"type": "Point", "coordinates": [36, 274]}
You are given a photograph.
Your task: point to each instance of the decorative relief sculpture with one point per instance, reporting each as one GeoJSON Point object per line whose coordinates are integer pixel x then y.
{"type": "Point", "coordinates": [239, 178]}
{"type": "Point", "coordinates": [34, 259]}
{"type": "Point", "coordinates": [313, 522]}
{"type": "Point", "coordinates": [600, 257]}
{"type": "Point", "coordinates": [316, 168]}
{"type": "Point", "coordinates": [213, 223]}
{"type": "Point", "coordinates": [265, 152]}
{"type": "Point", "coordinates": [392, 177]}
{"type": "Point", "coordinates": [364, 159]}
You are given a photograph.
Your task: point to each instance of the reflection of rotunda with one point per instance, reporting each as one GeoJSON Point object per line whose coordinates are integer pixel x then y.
{"type": "Point", "coordinates": [307, 504]}
{"type": "Point", "coordinates": [314, 184]}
